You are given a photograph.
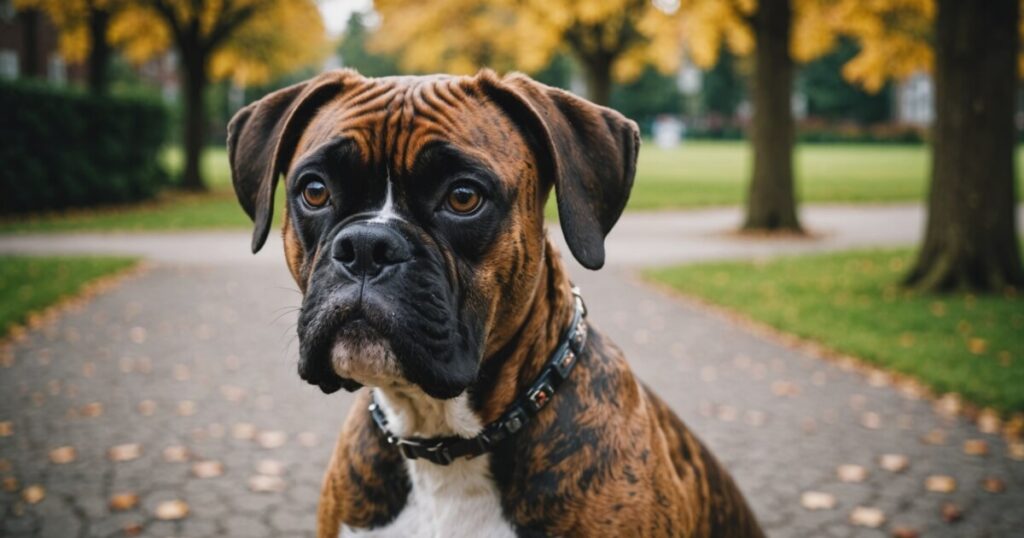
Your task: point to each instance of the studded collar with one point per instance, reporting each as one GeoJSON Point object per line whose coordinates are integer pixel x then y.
{"type": "Point", "coordinates": [444, 450]}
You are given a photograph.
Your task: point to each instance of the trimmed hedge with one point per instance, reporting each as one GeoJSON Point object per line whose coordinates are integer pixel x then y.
{"type": "Point", "coordinates": [62, 148]}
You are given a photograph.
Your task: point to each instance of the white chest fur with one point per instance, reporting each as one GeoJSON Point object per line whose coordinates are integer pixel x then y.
{"type": "Point", "coordinates": [451, 501]}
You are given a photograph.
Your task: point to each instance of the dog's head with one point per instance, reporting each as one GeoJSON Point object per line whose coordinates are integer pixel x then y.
{"type": "Point", "coordinates": [415, 205]}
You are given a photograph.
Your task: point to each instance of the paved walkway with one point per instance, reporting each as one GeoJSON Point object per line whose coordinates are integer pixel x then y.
{"type": "Point", "coordinates": [179, 385]}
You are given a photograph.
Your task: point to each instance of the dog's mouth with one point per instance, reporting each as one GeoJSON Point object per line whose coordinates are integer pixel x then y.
{"type": "Point", "coordinates": [351, 336]}
{"type": "Point", "coordinates": [343, 348]}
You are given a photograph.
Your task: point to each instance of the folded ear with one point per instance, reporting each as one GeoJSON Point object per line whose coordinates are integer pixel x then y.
{"type": "Point", "coordinates": [588, 151]}
{"type": "Point", "coordinates": [262, 138]}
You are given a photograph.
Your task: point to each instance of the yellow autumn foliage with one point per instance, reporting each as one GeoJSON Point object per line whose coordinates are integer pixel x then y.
{"type": "Point", "coordinates": [280, 37]}
{"type": "Point", "coordinates": [461, 36]}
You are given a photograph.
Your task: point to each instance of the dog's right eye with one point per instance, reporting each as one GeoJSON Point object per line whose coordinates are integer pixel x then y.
{"type": "Point", "coordinates": [315, 194]}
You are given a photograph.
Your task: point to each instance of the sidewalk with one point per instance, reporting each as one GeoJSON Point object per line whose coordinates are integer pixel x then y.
{"type": "Point", "coordinates": [199, 353]}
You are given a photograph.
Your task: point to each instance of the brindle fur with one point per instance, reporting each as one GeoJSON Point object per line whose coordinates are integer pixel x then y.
{"type": "Point", "coordinates": [607, 457]}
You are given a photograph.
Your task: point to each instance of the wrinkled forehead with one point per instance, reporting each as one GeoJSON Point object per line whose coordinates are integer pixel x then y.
{"type": "Point", "coordinates": [392, 119]}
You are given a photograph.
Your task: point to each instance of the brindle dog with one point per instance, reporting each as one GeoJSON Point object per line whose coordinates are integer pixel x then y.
{"type": "Point", "coordinates": [415, 231]}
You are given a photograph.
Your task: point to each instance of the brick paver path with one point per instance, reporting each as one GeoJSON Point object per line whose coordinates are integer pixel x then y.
{"type": "Point", "coordinates": [186, 375]}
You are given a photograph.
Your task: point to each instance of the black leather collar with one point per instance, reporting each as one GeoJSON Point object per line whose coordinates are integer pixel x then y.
{"type": "Point", "coordinates": [444, 450]}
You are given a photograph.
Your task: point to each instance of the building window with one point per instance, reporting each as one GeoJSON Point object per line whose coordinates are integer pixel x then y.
{"type": "Point", "coordinates": [8, 64]}
{"type": "Point", "coordinates": [56, 71]}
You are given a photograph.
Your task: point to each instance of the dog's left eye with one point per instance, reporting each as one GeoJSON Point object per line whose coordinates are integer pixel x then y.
{"type": "Point", "coordinates": [464, 199]}
{"type": "Point", "coordinates": [315, 193]}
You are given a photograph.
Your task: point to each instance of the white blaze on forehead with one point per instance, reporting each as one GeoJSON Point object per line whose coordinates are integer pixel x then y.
{"type": "Point", "coordinates": [387, 209]}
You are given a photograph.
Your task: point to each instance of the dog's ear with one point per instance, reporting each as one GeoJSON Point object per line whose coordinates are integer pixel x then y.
{"type": "Point", "coordinates": [589, 152]}
{"type": "Point", "coordinates": [262, 138]}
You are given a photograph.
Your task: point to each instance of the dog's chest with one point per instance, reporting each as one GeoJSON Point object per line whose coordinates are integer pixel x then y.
{"type": "Point", "coordinates": [454, 501]}
{"type": "Point", "coordinates": [450, 501]}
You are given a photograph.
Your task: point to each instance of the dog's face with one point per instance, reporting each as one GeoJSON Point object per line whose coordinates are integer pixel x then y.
{"type": "Point", "coordinates": [415, 205]}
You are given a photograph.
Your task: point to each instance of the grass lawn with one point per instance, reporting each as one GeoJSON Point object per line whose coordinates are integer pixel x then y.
{"type": "Point", "coordinates": [851, 303]}
{"type": "Point", "coordinates": [29, 283]}
{"type": "Point", "coordinates": [698, 173]}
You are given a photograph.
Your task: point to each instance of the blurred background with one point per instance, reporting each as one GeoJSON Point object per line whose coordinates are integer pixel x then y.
{"type": "Point", "coordinates": [825, 210]}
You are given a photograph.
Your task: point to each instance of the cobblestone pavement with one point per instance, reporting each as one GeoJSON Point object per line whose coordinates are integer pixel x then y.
{"type": "Point", "coordinates": [180, 385]}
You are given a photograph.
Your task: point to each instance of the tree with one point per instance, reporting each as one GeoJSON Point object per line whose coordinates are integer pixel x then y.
{"type": "Point", "coordinates": [248, 41]}
{"type": "Point", "coordinates": [722, 90]}
{"type": "Point", "coordinates": [831, 96]}
{"type": "Point", "coordinates": [84, 26]}
{"type": "Point", "coordinates": [354, 53]}
{"type": "Point", "coordinates": [609, 39]}
{"type": "Point", "coordinates": [777, 33]}
{"type": "Point", "coordinates": [971, 237]}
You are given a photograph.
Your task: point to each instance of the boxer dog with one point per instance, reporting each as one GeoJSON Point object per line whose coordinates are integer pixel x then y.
{"type": "Point", "coordinates": [415, 231]}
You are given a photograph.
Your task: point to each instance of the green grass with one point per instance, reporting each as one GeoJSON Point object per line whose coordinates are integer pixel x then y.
{"type": "Point", "coordinates": [697, 174]}
{"type": "Point", "coordinates": [29, 283]}
{"type": "Point", "coordinates": [851, 303]}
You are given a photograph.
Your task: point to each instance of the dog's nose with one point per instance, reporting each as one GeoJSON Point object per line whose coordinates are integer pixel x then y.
{"type": "Point", "coordinates": [365, 249]}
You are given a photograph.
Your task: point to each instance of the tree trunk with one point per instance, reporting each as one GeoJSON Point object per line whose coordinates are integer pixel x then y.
{"type": "Point", "coordinates": [195, 126]}
{"type": "Point", "coordinates": [771, 202]}
{"type": "Point", "coordinates": [971, 239]}
{"type": "Point", "coordinates": [598, 75]}
{"type": "Point", "coordinates": [99, 52]}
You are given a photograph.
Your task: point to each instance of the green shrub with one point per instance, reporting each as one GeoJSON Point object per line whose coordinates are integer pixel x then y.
{"type": "Point", "coordinates": [62, 148]}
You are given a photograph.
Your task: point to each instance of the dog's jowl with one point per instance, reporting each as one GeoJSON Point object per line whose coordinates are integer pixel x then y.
{"type": "Point", "coordinates": [415, 230]}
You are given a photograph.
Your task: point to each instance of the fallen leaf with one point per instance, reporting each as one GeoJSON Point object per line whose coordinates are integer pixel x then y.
{"type": "Point", "coordinates": [6, 428]}
{"type": "Point", "coordinates": [817, 500]}
{"type": "Point", "coordinates": [851, 473]}
{"type": "Point", "coordinates": [92, 410]}
{"type": "Point", "coordinates": [271, 439]}
{"type": "Point", "coordinates": [308, 439]}
{"type": "Point", "coordinates": [10, 484]}
{"type": "Point", "coordinates": [977, 346]}
{"type": "Point", "coordinates": [243, 431]}
{"type": "Point", "coordinates": [1015, 449]}
{"type": "Point", "coordinates": [755, 418]}
{"type": "Point", "coordinates": [186, 408]}
{"type": "Point", "coordinates": [785, 388]}
{"type": "Point", "coordinates": [934, 437]}
{"type": "Point", "coordinates": [62, 455]}
{"type": "Point", "coordinates": [132, 528]}
{"type": "Point", "coordinates": [181, 372]}
{"type": "Point", "coordinates": [123, 501]}
{"type": "Point", "coordinates": [905, 532]}
{"type": "Point", "coordinates": [993, 484]}
{"type": "Point", "coordinates": [951, 513]}
{"type": "Point", "coordinates": [169, 510]}
{"type": "Point", "coordinates": [727, 413]}
{"type": "Point", "coordinates": [975, 447]}
{"type": "Point", "coordinates": [894, 463]}
{"type": "Point", "coordinates": [878, 378]}
{"type": "Point", "coordinates": [5, 465]}
{"type": "Point", "coordinates": [175, 454]}
{"type": "Point", "coordinates": [266, 484]}
{"type": "Point", "coordinates": [871, 420]}
{"type": "Point", "coordinates": [125, 452]}
{"type": "Point", "coordinates": [137, 334]}
{"type": "Point", "coordinates": [232, 393]}
{"type": "Point", "coordinates": [867, 517]}
{"type": "Point", "coordinates": [270, 467]}
{"type": "Point", "coordinates": [147, 407]}
{"type": "Point", "coordinates": [948, 405]}
{"type": "Point", "coordinates": [215, 430]}
{"type": "Point", "coordinates": [33, 494]}
{"type": "Point", "coordinates": [940, 483]}
{"type": "Point", "coordinates": [989, 422]}
{"type": "Point", "coordinates": [207, 469]}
